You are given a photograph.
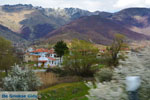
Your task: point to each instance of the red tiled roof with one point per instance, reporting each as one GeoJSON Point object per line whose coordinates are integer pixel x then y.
{"type": "Point", "coordinates": [125, 49]}
{"type": "Point", "coordinates": [43, 50]}
{"type": "Point", "coordinates": [51, 51]}
{"type": "Point", "coordinates": [102, 49]}
{"type": "Point", "coordinates": [53, 59]}
{"type": "Point", "coordinates": [27, 54]}
{"type": "Point", "coordinates": [42, 61]}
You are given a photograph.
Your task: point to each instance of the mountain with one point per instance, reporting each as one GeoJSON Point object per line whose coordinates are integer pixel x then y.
{"type": "Point", "coordinates": [95, 29]}
{"type": "Point", "coordinates": [35, 22]}
{"type": "Point", "coordinates": [135, 19]}
{"type": "Point", "coordinates": [76, 13]}
{"type": "Point", "coordinates": [132, 22]}
{"type": "Point", "coordinates": [10, 35]}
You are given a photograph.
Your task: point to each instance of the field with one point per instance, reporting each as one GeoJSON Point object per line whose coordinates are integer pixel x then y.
{"type": "Point", "coordinates": [65, 91]}
{"type": "Point", "coordinates": [48, 79]}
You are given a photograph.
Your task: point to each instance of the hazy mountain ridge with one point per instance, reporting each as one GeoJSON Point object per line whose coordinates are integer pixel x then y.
{"type": "Point", "coordinates": [28, 19]}
{"type": "Point", "coordinates": [17, 8]}
{"type": "Point", "coordinates": [36, 22]}
{"type": "Point", "coordinates": [94, 28]}
{"type": "Point", "coordinates": [129, 22]}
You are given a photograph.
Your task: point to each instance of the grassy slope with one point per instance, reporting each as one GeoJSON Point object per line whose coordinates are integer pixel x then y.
{"type": "Point", "coordinates": [65, 91]}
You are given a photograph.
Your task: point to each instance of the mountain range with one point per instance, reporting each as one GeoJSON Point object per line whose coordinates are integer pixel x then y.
{"type": "Point", "coordinates": [27, 23]}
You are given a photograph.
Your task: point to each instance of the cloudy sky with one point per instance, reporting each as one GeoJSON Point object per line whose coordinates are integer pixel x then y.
{"type": "Point", "coordinates": [91, 5]}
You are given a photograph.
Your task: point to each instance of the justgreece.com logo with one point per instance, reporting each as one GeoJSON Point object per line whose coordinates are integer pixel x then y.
{"type": "Point", "coordinates": [19, 95]}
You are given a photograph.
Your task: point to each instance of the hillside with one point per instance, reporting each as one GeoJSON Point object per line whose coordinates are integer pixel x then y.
{"type": "Point", "coordinates": [93, 28]}
{"type": "Point", "coordinates": [35, 22]}
{"type": "Point", "coordinates": [135, 19]}
{"type": "Point", "coordinates": [10, 35]}
{"type": "Point", "coordinates": [12, 19]}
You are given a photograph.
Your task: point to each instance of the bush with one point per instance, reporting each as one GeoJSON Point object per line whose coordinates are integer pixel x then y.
{"type": "Point", "coordinates": [104, 74]}
{"type": "Point", "coordinates": [81, 59]}
{"type": "Point", "coordinates": [134, 65]}
{"type": "Point", "coordinates": [21, 79]}
{"type": "Point", "coordinates": [106, 91]}
{"type": "Point", "coordinates": [144, 92]}
{"type": "Point", "coordinates": [57, 70]}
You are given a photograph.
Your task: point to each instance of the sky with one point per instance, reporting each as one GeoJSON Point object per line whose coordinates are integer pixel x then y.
{"type": "Point", "coordinates": [91, 5]}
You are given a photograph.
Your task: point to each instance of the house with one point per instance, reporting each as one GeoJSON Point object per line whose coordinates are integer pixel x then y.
{"type": "Point", "coordinates": [126, 50]}
{"type": "Point", "coordinates": [45, 58]}
{"type": "Point", "coordinates": [101, 52]}
{"type": "Point", "coordinates": [30, 49]}
{"type": "Point", "coordinates": [29, 58]}
{"type": "Point", "coordinates": [47, 62]}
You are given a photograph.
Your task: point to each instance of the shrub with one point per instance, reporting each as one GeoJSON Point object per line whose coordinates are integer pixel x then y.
{"type": "Point", "coordinates": [80, 60]}
{"type": "Point", "coordinates": [21, 79]}
{"type": "Point", "coordinates": [57, 70]}
{"type": "Point", "coordinates": [144, 91]}
{"type": "Point", "coordinates": [104, 74]}
{"type": "Point", "coordinates": [106, 91]}
{"type": "Point", "coordinates": [137, 64]}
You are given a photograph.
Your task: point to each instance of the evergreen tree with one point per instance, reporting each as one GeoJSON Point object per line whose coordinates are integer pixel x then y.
{"type": "Point", "coordinates": [61, 48]}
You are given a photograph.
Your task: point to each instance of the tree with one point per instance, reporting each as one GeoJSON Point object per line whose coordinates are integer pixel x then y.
{"type": "Point", "coordinates": [114, 54]}
{"type": "Point", "coordinates": [7, 58]}
{"type": "Point", "coordinates": [82, 58]}
{"type": "Point", "coordinates": [61, 48]}
{"type": "Point", "coordinates": [137, 64]}
{"type": "Point", "coordinates": [21, 79]}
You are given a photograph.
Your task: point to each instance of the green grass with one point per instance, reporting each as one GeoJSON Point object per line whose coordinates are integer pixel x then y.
{"type": "Point", "coordinates": [35, 67]}
{"type": "Point", "coordinates": [101, 66]}
{"type": "Point", "coordinates": [2, 74]}
{"type": "Point", "coordinates": [65, 91]}
{"type": "Point", "coordinates": [31, 63]}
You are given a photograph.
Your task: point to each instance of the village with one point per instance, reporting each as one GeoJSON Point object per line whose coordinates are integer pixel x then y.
{"type": "Point", "coordinates": [72, 65]}
{"type": "Point", "coordinates": [43, 57]}
{"type": "Point", "coordinates": [46, 58]}
{"type": "Point", "coordinates": [48, 69]}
